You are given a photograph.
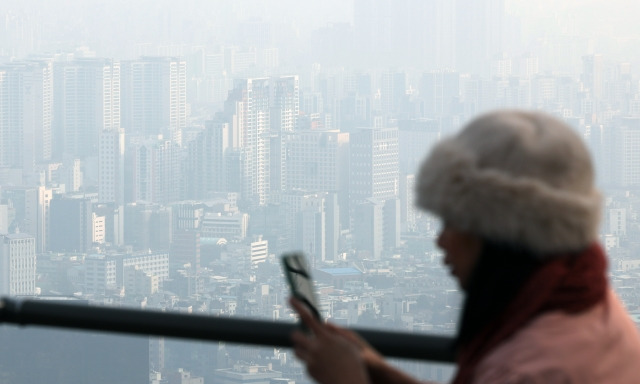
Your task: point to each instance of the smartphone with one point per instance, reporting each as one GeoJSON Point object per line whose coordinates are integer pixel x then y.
{"type": "Point", "coordinates": [298, 276]}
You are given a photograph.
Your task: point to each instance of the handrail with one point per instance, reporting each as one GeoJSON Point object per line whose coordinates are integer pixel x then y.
{"type": "Point", "coordinates": [201, 327]}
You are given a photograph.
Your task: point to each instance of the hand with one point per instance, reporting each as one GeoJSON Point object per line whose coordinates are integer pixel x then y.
{"type": "Point", "coordinates": [370, 356]}
{"type": "Point", "coordinates": [331, 356]}
{"type": "Point", "coordinates": [377, 367]}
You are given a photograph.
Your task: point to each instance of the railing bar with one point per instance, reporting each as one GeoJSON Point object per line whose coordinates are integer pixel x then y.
{"type": "Point", "coordinates": [201, 327]}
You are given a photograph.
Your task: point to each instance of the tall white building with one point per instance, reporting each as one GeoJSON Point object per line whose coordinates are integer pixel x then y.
{"type": "Point", "coordinates": [86, 102]}
{"type": "Point", "coordinates": [25, 114]}
{"type": "Point", "coordinates": [318, 161]}
{"type": "Point", "coordinates": [285, 103]}
{"type": "Point", "coordinates": [154, 96]}
{"type": "Point", "coordinates": [111, 167]}
{"type": "Point", "coordinates": [315, 160]}
{"type": "Point", "coordinates": [153, 170]}
{"type": "Point", "coordinates": [111, 178]}
{"type": "Point", "coordinates": [285, 108]}
{"type": "Point", "coordinates": [374, 189]}
{"type": "Point", "coordinates": [374, 168]}
{"type": "Point", "coordinates": [250, 107]}
{"type": "Point", "coordinates": [17, 264]}
{"type": "Point", "coordinates": [625, 152]}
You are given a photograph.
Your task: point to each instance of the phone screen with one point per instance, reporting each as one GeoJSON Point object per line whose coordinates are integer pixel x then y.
{"type": "Point", "coordinates": [300, 282]}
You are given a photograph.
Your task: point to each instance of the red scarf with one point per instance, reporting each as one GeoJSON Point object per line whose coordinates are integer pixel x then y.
{"type": "Point", "coordinates": [571, 283]}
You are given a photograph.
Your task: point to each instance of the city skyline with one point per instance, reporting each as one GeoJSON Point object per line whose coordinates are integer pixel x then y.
{"type": "Point", "coordinates": [162, 155]}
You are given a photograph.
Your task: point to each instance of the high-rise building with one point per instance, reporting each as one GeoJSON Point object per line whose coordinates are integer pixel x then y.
{"type": "Point", "coordinates": [374, 171]}
{"type": "Point", "coordinates": [593, 75]}
{"type": "Point", "coordinates": [152, 170]}
{"type": "Point", "coordinates": [374, 189]}
{"type": "Point", "coordinates": [285, 110]}
{"type": "Point", "coordinates": [154, 96]}
{"type": "Point", "coordinates": [17, 264]}
{"type": "Point", "coordinates": [408, 210]}
{"type": "Point", "coordinates": [86, 102]}
{"type": "Point", "coordinates": [25, 114]}
{"type": "Point", "coordinates": [31, 212]}
{"type": "Point", "coordinates": [70, 224]}
{"type": "Point", "coordinates": [111, 161]}
{"type": "Point", "coordinates": [624, 139]}
{"type": "Point", "coordinates": [332, 226]}
{"type": "Point", "coordinates": [111, 167]}
{"type": "Point", "coordinates": [318, 161]}
{"type": "Point", "coordinates": [204, 167]}
{"type": "Point", "coordinates": [315, 160]}
{"type": "Point", "coordinates": [249, 105]}
{"type": "Point", "coordinates": [285, 103]}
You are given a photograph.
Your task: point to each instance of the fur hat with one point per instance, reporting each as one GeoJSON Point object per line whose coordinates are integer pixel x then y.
{"type": "Point", "coordinates": [524, 178]}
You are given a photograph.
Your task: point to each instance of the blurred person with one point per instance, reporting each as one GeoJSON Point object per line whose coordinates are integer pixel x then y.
{"type": "Point", "coordinates": [515, 192]}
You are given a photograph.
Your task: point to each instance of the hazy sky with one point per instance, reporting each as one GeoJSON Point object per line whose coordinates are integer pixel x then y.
{"type": "Point", "coordinates": [110, 25]}
{"type": "Point", "coordinates": [613, 18]}
{"type": "Point", "coordinates": [618, 15]}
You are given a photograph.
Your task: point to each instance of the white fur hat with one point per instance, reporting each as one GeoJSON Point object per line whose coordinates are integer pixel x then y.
{"type": "Point", "coordinates": [524, 178]}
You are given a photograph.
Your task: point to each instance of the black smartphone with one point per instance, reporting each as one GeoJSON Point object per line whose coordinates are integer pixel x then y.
{"type": "Point", "coordinates": [298, 276]}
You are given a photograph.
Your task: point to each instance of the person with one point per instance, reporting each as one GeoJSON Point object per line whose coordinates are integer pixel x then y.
{"type": "Point", "coordinates": [515, 192]}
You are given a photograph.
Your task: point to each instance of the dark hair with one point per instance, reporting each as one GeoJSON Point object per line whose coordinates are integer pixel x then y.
{"type": "Point", "coordinates": [501, 270]}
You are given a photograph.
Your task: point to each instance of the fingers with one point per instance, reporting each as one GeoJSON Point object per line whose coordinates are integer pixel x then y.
{"type": "Point", "coordinates": [307, 318]}
{"type": "Point", "coordinates": [301, 345]}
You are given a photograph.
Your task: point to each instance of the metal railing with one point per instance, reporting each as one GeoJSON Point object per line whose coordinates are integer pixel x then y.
{"type": "Point", "coordinates": [201, 327]}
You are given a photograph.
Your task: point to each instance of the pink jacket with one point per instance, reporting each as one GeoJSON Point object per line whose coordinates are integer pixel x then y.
{"type": "Point", "coordinates": [601, 345]}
